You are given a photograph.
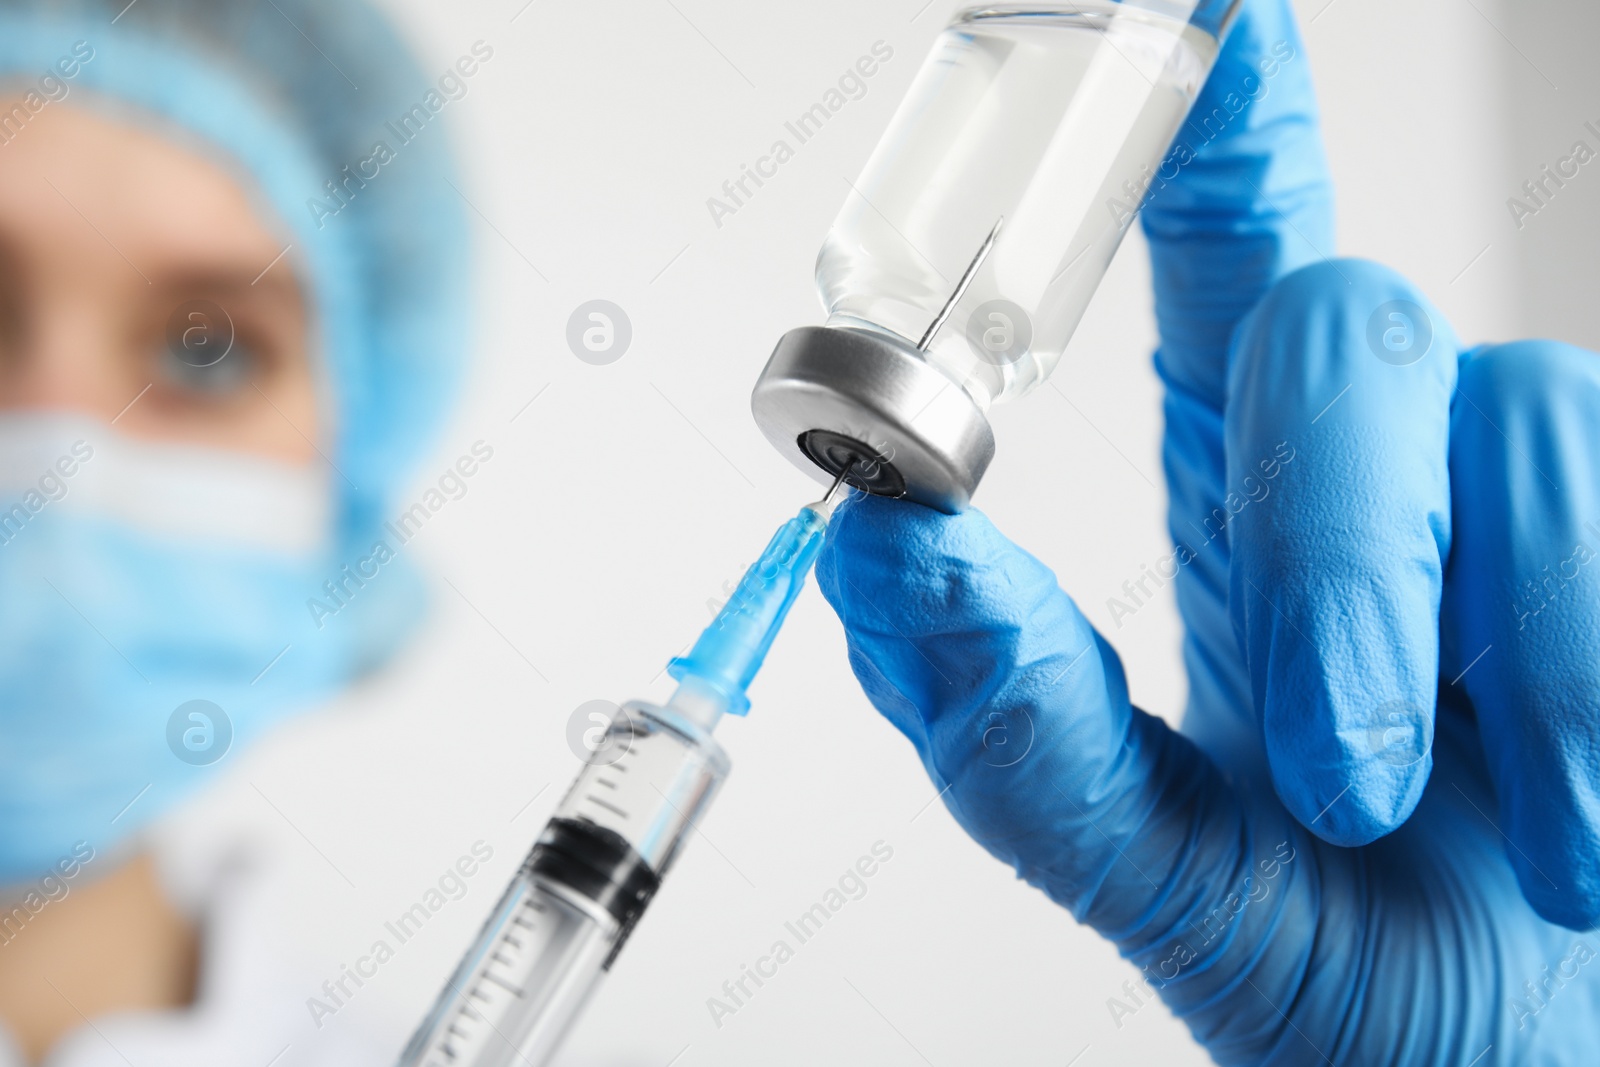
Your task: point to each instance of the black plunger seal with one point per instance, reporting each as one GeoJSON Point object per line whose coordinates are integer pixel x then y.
{"type": "Point", "coordinates": [599, 864]}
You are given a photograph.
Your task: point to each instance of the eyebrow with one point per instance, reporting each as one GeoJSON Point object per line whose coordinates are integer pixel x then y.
{"type": "Point", "coordinates": [278, 283]}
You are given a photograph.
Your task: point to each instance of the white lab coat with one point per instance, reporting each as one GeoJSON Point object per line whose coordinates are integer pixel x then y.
{"type": "Point", "coordinates": [249, 1010]}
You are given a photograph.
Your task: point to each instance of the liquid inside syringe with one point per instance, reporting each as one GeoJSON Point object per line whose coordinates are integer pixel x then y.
{"type": "Point", "coordinates": [566, 915]}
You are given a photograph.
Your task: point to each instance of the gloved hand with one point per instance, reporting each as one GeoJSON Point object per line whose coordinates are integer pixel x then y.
{"type": "Point", "coordinates": [1379, 832]}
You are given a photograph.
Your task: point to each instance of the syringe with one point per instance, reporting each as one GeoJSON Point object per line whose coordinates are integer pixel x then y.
{"type": "Point", "coordinates": [564, 917]}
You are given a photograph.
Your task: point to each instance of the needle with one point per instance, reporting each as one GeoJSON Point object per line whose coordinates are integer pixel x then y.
{"type": "Point", "coordinates": [961, 286]}
{"type": "Point", "coordinates": [838, 481]}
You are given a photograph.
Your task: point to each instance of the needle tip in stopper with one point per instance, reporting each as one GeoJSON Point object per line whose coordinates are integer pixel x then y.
{"type": "Point", "coordinates": [830, 500]}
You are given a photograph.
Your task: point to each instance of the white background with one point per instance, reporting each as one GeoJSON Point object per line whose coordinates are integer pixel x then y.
{"type": "Point", "coordinates": [624, 498]}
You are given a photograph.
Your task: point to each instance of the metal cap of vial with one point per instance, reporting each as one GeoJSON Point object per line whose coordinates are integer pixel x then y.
{"type": "Point", "coordinates": [831, 396]}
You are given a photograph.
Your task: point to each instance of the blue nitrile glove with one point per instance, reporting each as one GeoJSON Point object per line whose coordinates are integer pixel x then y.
{"type": "Point", "coordinates": [1386, 801]}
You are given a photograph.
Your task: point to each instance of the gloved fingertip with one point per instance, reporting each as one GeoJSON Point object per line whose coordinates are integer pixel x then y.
{"type": "Point", "coordinates": [894, 556]}
{"type": "Point", "coordinates": [853, 531]}
{"type": "Point", "coordinates": [1350, 753]}
{"type": "Point", "coordinates": [1356, 804]}
{"type": "Point", "coordinates": [1336, 427]}
{"type": "Point", "coordinates": [1574, 904]}
{"type": "Point", "coordinates": [880, 532]}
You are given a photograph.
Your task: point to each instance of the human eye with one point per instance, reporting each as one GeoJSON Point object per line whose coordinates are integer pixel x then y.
{"type": "Point", "coordinates": [207, 355]}
{"type": "Point", "coordinates": [222, 374]}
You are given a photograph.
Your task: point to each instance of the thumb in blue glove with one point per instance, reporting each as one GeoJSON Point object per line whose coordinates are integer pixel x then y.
{"type": "Point", "coordinates": [1389, 568]}
{"type": "Point", "coordinates": [1273, 946]}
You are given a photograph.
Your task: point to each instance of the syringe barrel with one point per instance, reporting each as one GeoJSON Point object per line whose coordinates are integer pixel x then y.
{"type": "Point", "coordinates": [561, 923]}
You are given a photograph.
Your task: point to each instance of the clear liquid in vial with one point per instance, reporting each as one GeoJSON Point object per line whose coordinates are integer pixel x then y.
{"type": "Point", "coordinates": [1051, 119]}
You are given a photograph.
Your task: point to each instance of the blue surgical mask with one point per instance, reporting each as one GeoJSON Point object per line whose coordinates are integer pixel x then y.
{"type": "Point", "coordinates": [160, 605]}
{"type": "Point", "coordinates": [184, 574]}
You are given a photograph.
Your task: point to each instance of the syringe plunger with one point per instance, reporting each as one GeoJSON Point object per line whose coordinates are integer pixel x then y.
{"type": "Point", "coordinates": [568, 911]}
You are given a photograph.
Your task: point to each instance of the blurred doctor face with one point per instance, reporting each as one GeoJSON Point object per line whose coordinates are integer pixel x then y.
{"type": "Point", "coordinates": [110, 232]}
{"type": "Point", "coordinates": [113, 240]}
